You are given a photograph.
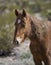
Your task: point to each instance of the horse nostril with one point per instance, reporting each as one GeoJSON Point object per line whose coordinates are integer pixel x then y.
{"type": "Point", "coordinates": [17, 42]}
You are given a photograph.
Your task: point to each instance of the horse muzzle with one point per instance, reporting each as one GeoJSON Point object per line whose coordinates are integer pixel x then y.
{"type": "Point", "coordinates": [18, 41]}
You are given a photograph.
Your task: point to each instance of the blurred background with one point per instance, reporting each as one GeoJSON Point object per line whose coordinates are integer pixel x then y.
{"type": "Point", "coordinates": [39, 8]}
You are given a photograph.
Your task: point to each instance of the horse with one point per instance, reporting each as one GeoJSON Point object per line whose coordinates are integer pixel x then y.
{"type": "Point", "coordinates": [39, 33]}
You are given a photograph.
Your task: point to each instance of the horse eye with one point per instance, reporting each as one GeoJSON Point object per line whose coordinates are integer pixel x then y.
{"type": "Point", "coordinates": [23, 24]}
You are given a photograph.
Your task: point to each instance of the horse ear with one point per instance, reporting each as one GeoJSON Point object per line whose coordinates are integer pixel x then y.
{"type": "Point", "coordinates": [24, 13]}
{"type": "Point", "coordinates": [16, 12]}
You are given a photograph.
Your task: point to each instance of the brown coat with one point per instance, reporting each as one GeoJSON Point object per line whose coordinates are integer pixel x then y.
{"type": "Point", "coordinates": [41, 44]}
{"type": "Point", "coordinates": [39, 33]}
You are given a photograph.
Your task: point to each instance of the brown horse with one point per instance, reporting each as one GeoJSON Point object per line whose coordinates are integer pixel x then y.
{"type": "Point", "coordinates": [39, 33]}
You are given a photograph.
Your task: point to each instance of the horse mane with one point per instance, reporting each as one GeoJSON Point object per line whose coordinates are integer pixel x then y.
{"type": "Point", "coordinates": [39, 28]}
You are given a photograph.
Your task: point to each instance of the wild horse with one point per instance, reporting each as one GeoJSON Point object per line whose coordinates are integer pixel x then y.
{"type": "Point", "coordinates": [39, 33]}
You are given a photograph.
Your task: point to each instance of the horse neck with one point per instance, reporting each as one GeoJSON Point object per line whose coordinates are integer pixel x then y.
{"type": "Point", "coordinates": [33, 35]}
